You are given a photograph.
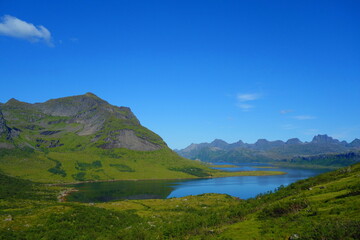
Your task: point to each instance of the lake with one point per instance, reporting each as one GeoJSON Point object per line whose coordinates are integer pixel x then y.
{"type": "Point", "coordinates": [242, 187]}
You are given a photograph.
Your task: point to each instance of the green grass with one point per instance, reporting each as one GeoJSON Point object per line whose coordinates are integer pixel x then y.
{"type": "Point", "coordinates": [322, 207]}
{"type": "Point", "coordinates": [102, 165]}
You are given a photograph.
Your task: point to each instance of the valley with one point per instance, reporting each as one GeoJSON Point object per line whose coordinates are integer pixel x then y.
{"type": "Point", "coordinates": [84, 138]}
{"type": "Point", "coordinates": [321, 207]}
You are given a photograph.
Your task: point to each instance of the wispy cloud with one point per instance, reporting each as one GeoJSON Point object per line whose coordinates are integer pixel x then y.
{"type": "Point", "coordinates": [285, 111]}
{"type": "Point", "coordinates": [245, 106]}
{"type": "Point", "coordinates": [348, 133]}
{"type": "Point", "coordinates": [74, 39]}
{"type": "Point", "coordinates": [311, 132]}
{"type": "Point", "coordinates": [244, 99]}
{"type": "Point", "coordinates": [304, 117]}
{"type": "Point", "coordinates": [248, 97]}
{"type": "Point", "coordinates": [289, 127]}
{"type": "Point", "coordinates": [13, 27]}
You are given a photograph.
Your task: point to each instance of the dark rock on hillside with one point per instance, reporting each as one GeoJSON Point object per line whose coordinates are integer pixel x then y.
{"type": "Point", "coordinates": [6, 133]}
{"type": "Point", "coordinates": [4, 129]}
{"type": "Point", "coordinates": [128, 139]}
{"type": "Point", "coordinates": [47, 133]}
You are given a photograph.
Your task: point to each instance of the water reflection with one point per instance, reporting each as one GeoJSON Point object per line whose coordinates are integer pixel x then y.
{"type": "Point", "coordinates": [242, 187]}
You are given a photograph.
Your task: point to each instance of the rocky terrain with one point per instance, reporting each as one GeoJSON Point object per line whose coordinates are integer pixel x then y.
{"type": "Point", "coordinates": [44, 125]}
{"type": "Point", "coordinates": [264, 150]}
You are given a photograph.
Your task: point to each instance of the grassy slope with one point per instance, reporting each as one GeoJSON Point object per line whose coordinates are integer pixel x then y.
{"type": "Point", "coordinates": [97, 164]}
{"type": "Point", "coordinates": [49, 148]}
{"type": "Point", "coordinates": [323, 207]}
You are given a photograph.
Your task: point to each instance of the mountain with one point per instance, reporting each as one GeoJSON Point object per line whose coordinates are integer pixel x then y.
{"type": "Point", "coordinates": [264, 150]}
{"type": "Point", "coordinates": [83, 138]}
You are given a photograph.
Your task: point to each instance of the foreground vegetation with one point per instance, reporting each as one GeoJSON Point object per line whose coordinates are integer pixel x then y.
{"type": "Point", "coordinates": [322, 207]}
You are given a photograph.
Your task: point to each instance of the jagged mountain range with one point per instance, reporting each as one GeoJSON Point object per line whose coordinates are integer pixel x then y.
{"type": "Point", "coordinates": [264, 150]}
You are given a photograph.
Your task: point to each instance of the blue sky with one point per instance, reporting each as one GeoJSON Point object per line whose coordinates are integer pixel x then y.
{"type": "Point", "coordinates": [193, 71]}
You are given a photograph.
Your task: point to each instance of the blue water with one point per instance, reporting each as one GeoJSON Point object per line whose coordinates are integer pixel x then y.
{"type": "Point", "coordinates": [242, 187]}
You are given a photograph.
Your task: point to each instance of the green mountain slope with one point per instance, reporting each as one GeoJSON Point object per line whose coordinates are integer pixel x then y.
{"type": "Point", "coordinates": [84, 138]}
{"type": "Point", "coordinates": [322, 207]}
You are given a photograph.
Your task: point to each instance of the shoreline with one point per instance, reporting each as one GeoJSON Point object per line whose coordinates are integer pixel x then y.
{"type": "Point", "coordinates": [156, 179]}
{"type": "Point", "coordinates": [63, 194]}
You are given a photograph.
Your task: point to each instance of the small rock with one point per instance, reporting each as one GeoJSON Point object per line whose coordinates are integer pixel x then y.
{"type": "Point", "coordinates": [294, 236]}
{"type": "Point", "coordinates": [8, 218]}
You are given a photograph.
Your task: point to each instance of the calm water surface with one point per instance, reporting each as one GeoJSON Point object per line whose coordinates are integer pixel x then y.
{"type": "Point", "coordinates": [242, 187]}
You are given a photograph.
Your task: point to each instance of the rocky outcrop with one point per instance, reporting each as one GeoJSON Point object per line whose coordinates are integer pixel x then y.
{"type": "Point", "coordinates": [128, 139]}
{"type": "Point", "coordinates": [6, 134]}
{"type": "Point", "coordinates": [4, 129]}
{"type": "Point", "coordinates": [87, 110]}
{"type": "Point", "coordinates": [324, 139]}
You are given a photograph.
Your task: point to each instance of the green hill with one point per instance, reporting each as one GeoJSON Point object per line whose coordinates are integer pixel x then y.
{"type": "Point", "coordinates": [322, 207]}
{"type": "Point", "coordinates": [84, 138]}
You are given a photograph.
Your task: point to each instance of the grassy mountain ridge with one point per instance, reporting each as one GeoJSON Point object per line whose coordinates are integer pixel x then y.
{"type": "Point", "coordinates": [84, 138]}
{"type": "Point", "coordinates": [321, 207]}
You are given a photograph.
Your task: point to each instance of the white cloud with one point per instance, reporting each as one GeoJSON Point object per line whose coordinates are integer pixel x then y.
{"type": "Point", "coordinates": [248, 97]}
{"type": "Point", "coordinates": [14, 27]}
{"type": "Point", "coordinates": [245, 107]}
{"type": "Point", "coordinates": [244, 99]}
{"type": "Point", "coordinates": [304, 117]}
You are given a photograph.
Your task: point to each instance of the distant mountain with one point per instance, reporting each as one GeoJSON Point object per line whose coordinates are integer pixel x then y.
{"type": "Point", "coordinates": [264, 150]}
{"type": "Point", "coordinates": [82, 138]}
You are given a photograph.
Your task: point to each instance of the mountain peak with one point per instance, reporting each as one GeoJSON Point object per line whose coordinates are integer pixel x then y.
{"type": "Point", "coordinates": [90, 94]}
{"type": "Point", "coordinates": [355, 143]}
{"type": "Point", "coordinates": [13, 101]}
{"type": "Point", "coordinates": [293, 141]}
{"type": "Point", "coordinates": [261, 141]}
{"type": "Point", "coordinates": [325, 139]}
{"type": "Point", "coordinates": [219, 143]}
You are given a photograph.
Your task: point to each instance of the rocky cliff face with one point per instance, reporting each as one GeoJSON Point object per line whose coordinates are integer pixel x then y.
{"type": "Point", "coordinates": [127, 139]}
{"type": "Point", "coordinates": [90, 121]}
{"type": "Point", "coordinates": [4, 129]}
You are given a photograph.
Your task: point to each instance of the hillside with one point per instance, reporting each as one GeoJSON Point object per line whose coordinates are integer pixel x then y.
{"type": "Point", "coordinates": [84, 138]}
{"type": "Point", "coordinates": [271, 151]}
{"type": "Point", "coordinates": [322, 207]}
